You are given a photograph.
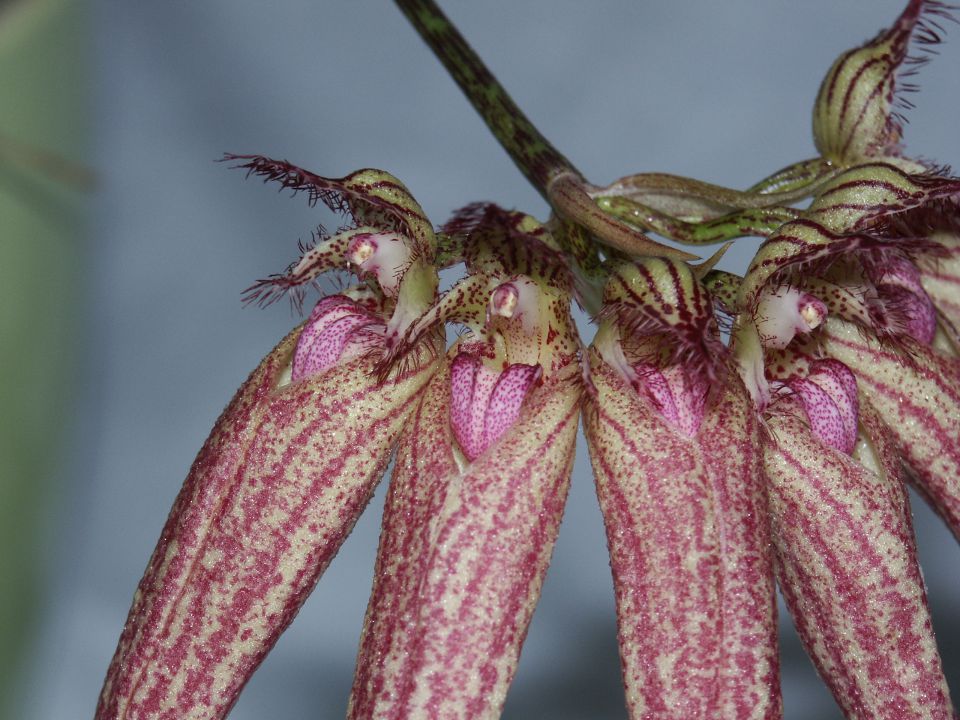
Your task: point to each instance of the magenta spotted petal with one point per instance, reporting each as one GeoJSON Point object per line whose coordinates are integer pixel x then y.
{"type": "Point", "coordinates": [338, 327]}
{"type": "Point", "coordinates": [828, 395]}
{"type": "Point", "coordinates": [484, 402]}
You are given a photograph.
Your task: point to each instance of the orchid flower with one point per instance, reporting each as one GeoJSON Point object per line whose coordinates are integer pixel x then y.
{"type": "Point", "coordinates": [744, 432]}
{"type": "Point", "coordinates": [674, 443]}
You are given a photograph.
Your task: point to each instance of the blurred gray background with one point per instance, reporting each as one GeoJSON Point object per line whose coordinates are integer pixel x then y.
{"type": "Point", "coordinates": [168, 239]}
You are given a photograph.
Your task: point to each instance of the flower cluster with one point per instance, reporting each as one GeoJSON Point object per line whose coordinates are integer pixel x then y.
{"type": "Point", "coordinates": [745, 432]}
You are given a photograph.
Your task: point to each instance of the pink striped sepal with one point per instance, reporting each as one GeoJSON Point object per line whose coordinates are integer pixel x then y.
{"type": "Point", "coordinates": [463, 553]}
{"type": "Point", "coordinates": [276, 488]}
{"type": "Point", "coordinates": [917, 392]}
{"type": "Point", "coordinates": [847, 567]}
{"type": "Point", "coordinates": [941, 280]}
{"type": "Point", "coordinates": [686, 519]}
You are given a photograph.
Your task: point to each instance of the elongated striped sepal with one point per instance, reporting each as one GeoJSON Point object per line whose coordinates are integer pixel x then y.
{"type": "Point", "coordinates": [686, 521]}
{"type": "Point", "coordinates": [856, 112]}
{"type": "Point", "coordinates": [918, 395]}
{"type": "Point", "coordinates": [863, 195]}
{"type": "Point", "coordinates": [847, 567]}
{"type": "Point", "coordinates": [271, 496]}
{"type": "Point", "coordinates": [878, 451]}
{"type": "Point", "coordinates": [462, 557]}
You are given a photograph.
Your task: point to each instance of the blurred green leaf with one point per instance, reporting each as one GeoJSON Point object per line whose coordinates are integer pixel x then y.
{"type": "Point", "coordinates": [43, 91]}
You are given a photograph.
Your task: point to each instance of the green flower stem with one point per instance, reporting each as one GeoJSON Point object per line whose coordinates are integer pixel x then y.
{"type": "Point", "coordinates": [806, 176]}
{"type": "Point", "coordinates": [760, 222]}
{"type": "Point", "coordinates": [537, 159]}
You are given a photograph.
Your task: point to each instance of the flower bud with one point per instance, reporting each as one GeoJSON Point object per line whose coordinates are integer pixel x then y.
{"type": "Point", "coordinates": [855, 115]}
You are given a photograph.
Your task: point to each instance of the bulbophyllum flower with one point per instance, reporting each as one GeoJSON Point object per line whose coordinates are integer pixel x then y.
{"type": "Point", "coordinates": [279, 483]}
{"type": "Point", "coordinates": [675, 447]}
{"type": "Point", "coordinates": [845, 552]}
{"type": "Point", "coordinates": [836, 403]}
{"type": "Point", "coordinates": [859, 250]}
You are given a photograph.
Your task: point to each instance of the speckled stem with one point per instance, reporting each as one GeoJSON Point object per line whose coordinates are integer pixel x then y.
{"type": "Point", "coordinates": [537, 159]}
{"type": "Point", "coordinates": [742, 223]}
{"type": "Point", "coordinates": [690, 552]}
{"type": "Point", "coordinates": [462, 558]}
{"type": "Point", "coordinates": [270, 498]}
